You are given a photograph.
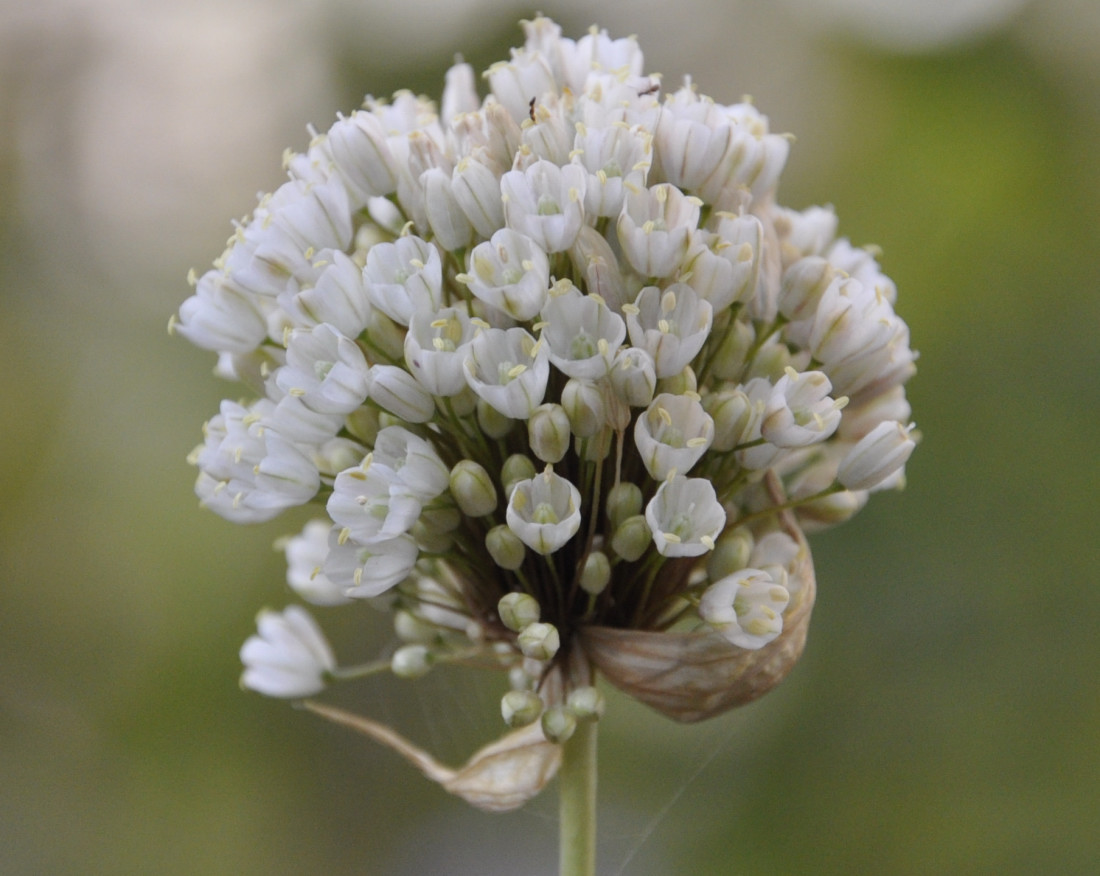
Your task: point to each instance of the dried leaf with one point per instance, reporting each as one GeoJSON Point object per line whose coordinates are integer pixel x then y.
{"type": "Point", "coordinates": [503, 775]}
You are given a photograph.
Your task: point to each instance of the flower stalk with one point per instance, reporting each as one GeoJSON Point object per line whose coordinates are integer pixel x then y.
{"type": "Point", "coordinates": [577, 804]}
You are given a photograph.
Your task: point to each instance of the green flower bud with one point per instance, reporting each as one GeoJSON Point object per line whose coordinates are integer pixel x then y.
{"type": "Point", "coordinates": [539, 641]}
{"type": "Point", "coordinates": [623, 500]}
{"type": "Point", "coordinates": [548, 432]}
{"type": "Point", "coordinates": [505, 547]}
{"type": "Point", "coordinates": [412, 629]}
{"type": "Point", "coordinates": [386, 335]}
{"type": "Point", "coordinates": [680, 383]}
{"type": "Point", "coordinates": [586, 703]}
{"type": "Point", "coordinates": [520, 707]}
{"type": "Point", "coordinates": [430, 539]}
{"type": "Point", "coordinates": [732, 412]}
{"type": "Point", "coordinates": [517, 467]}
{"type": "Point", "coordinates": [584, 405]}
{"type": "Point", "coordinates": [558, 724]}
{"type": "Point", "coordinates": [411, 661]}
{"type": "Point", "coordinates": [596, 573]}
{"type": "Point", "coordinates": [729, 359]}
{"type": "Point", "coordinates": [492, 422]}
{"type": "Point", "coordinates": [362, 423]}
{"type": "Point", "coordinates": [631, 538]}
{"type": "Point", "coordinates": [518, 611]}
{"type": "Point", "coordinates": [730, 554]}
{"type": "Point", "coordinates": [771, 361]}
{"type": "Point", "coordinates": [596, 447]}
{"type": "Point", "coordinates": [473, 489]}
{"type": "Point", "coordinates": [444, 519]}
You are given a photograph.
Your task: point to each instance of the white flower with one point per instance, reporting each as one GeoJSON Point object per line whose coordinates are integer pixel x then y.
{"type": "Point", "coordinates": [671, 325]}
{"type": "Point", "coordinates": [655, 227]}
{"type": "Point", "coordinates": [339, 297]}
{"type": "Point", "coordinates": [672, 435]}
{"type": "Point", "coordinates": [395, 390]}
{"type": "Point", "coordinates": [435, 348]}
{"type": "Point", "coordinates": [305, 559]}
{"type": "Point", "coordinates": [545, 511]}
{"type": "Point", "coordinates": [509, 370]}
{"type": "Point", "coordinates": [799, 411]}
{"type": "Point", "coordinates": [685, 517]}
{"type": "Point", "coordinates": [879, 454]}
{"type": "Point", "coordinates": [414, 460]}
{"type": "Point", "coordinates": [359, 150]}
{"type": "Point", "coordinates": [289, 657]}
{"type": "Point", "coordinates": [373, 503]}
{"type": "Point", "coordinates": [616, 159]}
{"type": "Point", "coordinates": [509, 272]}
{"type": "Point", "coordinates": [745, 607]}
{"type": "Point", "coordinates": [325, 369]}
{"type": "Point", "coordinates": [220, 316]}
{"type": "Point", "coordinates": [634, 376]}
{"type": "Point", "coordinates": [476, 187]}
{"type": "Point", "coordinates": [583, 335]}
{"type": "Point", "coordinates": [366, 570]}
{"type": "Point", "coordinates": [546, 203]}
{"type": "Point", "coordinates": [403, 277]}
{"type": "Point", "coordinates": [448, 221]}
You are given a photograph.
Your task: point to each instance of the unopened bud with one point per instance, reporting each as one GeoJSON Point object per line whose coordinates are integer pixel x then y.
{"type": "Point", "coordinates": [492, 422]}
{"type": "Point", "coordinates": [520, 707]}
{"type": "Point", "coordinates": [431, 540]}
{"type": "Point", "coordinates": [548, 432]}
{"type": "Point", "coordinates": [586, 703]}
{"type": "Point", "coordinates": [634, 377]}
{"type": "Point", "coordinates": [539, 641]}
{"type": "Point", "coordinates": [411, 661]}
{"type": "Point", "coordinates": [516, 468]}
{"type": "Point", "coordinates": [505, 547]}
{"type": "Point", "coordinates": [596, 447]}
{"type": "Point", "coordinates": [879, 454]}
{"type": "Point", "coordinates": [679, 384]}
{"type": "Point", "coordinates": [584, 405]}
{"type": "Point", "coordinates": [412, 629]}
{"type": "Point", "coordinates": [729, 360]}
{"type": "Point", "coordinates": [730, 554]}
{"type": "Point", "coordinates": [623, 500]}
{"type": "Point", "coordinates": [518, 611]}
{"type": "Point", "coordinates": [473, 489]}
{"type": "Point", "coordinates": [362, 423]}
{"type": "Point", "coordinates": [631, 538]}
{"type": "Point", "coordinates": [596, 573]}
{"type": "Point", "coordinates": [558, 724]}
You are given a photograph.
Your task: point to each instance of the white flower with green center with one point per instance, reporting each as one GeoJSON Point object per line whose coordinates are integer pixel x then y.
{"type": "Point", "coordinates": [325, 369]}
{"type": "Point", "coordinates": [435, 348]}
{"type": "Point", "coordinates": [654, 228]}
{"type": "Point", "coordinates": [546, 203]}
{"type": "Point", "coordinates": [404, 277]}
{"type": "Point", "coordinates": [545, 511]}
{"type": "Point", "coordinates": [685, 517]}
{"type": "Point", "coordinates": [582, 333]}
{"type": "Point", "coordinates": [672, 435]}
{"type": "Point", "coordinates": [670, 324]}
{"type": "Point", "coordinates": [510, 272]}
{"type": "Point", "coordinates": [509, 370]}
{"type": "Point", "coordinates": [288, 657]}
{"type": "Point", "coordinates": [746, 608]}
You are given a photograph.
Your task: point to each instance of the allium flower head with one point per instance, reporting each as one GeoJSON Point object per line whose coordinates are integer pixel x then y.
{"type": "Point", "coordinates": [554, 346]}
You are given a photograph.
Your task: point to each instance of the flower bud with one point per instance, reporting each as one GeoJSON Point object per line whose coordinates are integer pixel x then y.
{"type": "Point", "coordinates": [631, 538]}
{"type": "Point", "coordinates": [586, 703]}
{"type": "Point", "coordinates": [473, 489]}
{"type": "Point", "coordinates": [730, 554]}
{"type": "Point", "coordinates": [539, 641]}
{"type": "Point", "coordinates": [520, 707]}
{"type": "Point", "coordinates": [395, 390]}
{"type": "Point", "coordinates": [623, 500]}
{"type": "Point", "coordinates": [596, 573]}
{"type": "Point", "coordinates": [679, 384]}
{"type": "Point", "coordinates": [518, 611]}
{"type": "Point", "coordinates": [491, 421]}
{"type": "Point", "coordinates": [597, 447]}
{"type": "Point", "coordinates": [733, 413]}
{"type": "Point", "coordinates": [411, 661]}
{"type": "Point", "coordinates": [728, 361]}
{"type": "Point", "coordinates": [548, 432]}
{"type": "Point", "coordinates": [558, 724]}
{"type": "Point", "coordinates": [363, 424]}
{"type": "Point", "coordinates": [584, 405]}
{"type": "Point", "coordinates": [505, 547]}
{"type": "Point", "coordinates": [516, 468]}
{"type": "Point", "coordinates": [412, 629]}
{"type": "Point", "coordinates": [633, 376]}
{"type": "Point", "coordinates": [877, 456]}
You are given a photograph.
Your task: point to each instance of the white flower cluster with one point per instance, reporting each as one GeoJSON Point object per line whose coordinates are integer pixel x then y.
{"type": "Point", "coordinates": [559, 341]}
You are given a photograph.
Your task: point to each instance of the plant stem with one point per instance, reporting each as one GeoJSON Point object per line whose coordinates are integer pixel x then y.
{"type": "Point", "coordinates": [577, 779]}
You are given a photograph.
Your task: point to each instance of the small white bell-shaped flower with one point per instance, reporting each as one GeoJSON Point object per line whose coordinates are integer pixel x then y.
{"type": "Point", "coordinates": [685, 517]}
{"type": "Point", "coordinates": [799, 411]}
{"type": "Point", "coordinates": [338, 297]}
{"type": "Point", "coordinates": [435, 349]}
{"type": "Point", "coordinates": [545, 511]}
{"type": "Point", "coordinates": [475, 184]}
{"type": "Point", "coordinates": [880, 454]}
{"type": "Point", "coordinates": [393, 389]}
{"type": "Point", "coordinates": [672, 434]}
{"type": "Point", "coordinates": [671, 325]}
{"type": "Point", "coordinates": [325, 369]}
{"type": "Point", "coordinates": [510, 272]}
{"type": "Point", "coordinates": [372, 503]}
{"type": "Point", "coordinates": [367, 570]}
{"type": "Point", "coordinates": [220, 316]}
{"type": "Point", "coordinates": [305, 559]}
{"type": "Point", "coordinates": [546, 203]}
{"type": "Point", "coordinates": [515, 82]}
{"type": "Point", "coordinates": [509, 370]}
{"type": "Point", "coordinates": [414, 460]}
{"type": "Point", "coordinates": [403, 277]}
{"type": "Point", "coordinates": [634, 376]}
{"type": "Point", "coordinates": [361, 157]}
{"type": "Point", "coordinates": [745, 607]}
{"type": "Point", "coordinates": [654, 228]}
{"type": "Point", "coordinates": [582, 333]}
{"type": "Point", "coordinates": [616, 158]}
{"type": "Point", "coordinates": [289, 655]}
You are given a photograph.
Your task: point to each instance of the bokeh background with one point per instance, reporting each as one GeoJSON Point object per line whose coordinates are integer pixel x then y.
{"type": "Point", "coordinates": [946, 716]}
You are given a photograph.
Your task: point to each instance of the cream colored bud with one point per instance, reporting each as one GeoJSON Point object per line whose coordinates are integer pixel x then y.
{"type": "Point", "coordinates": [584, 405]}
{"type": "Point", "coordinates": [412, 629]}
{"type": "Point", "coordinates": [631, 538]}
{"type": "Point", "coordinates": [517, 467]}
{"type": "Point", "coordinates": [730, 554]}
{"type": "Point", "coordinates": [539, 641]}
{"type": "Point", "coordinates": [473, 489]}
{"type": "Point", "coordinates": [505, 547]}
{"type": "Point", "coordinates": [586, 703]}
{"type": "Point", "coordinates": [558, 724]}
{"type": "Point", "coordinates": [492, 422]}
{"type": "Point", "coordinates": [363, 424]}
{"type": "Point", "coordinates": [596, 573]}
{"type": "Point", "coordinates": [623, 500]}
{"type": "Point", "coordinates": [411, 661]}
{"type": "Point", "coordinates": [679, 384]}
{"type": "Point", "coordinates": [520, 707]}
{"type": "Point", "coordinates": [548, 432]}
{"type": "Point", "coordinates": [518, 611]}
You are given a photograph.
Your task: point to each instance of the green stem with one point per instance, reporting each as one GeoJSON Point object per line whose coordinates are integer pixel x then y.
{"type": "Point", "coordinates": [577, 778]}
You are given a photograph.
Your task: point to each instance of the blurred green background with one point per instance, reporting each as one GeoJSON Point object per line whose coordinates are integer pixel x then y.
{"type": "Point", "coordinates": [946, 716]}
